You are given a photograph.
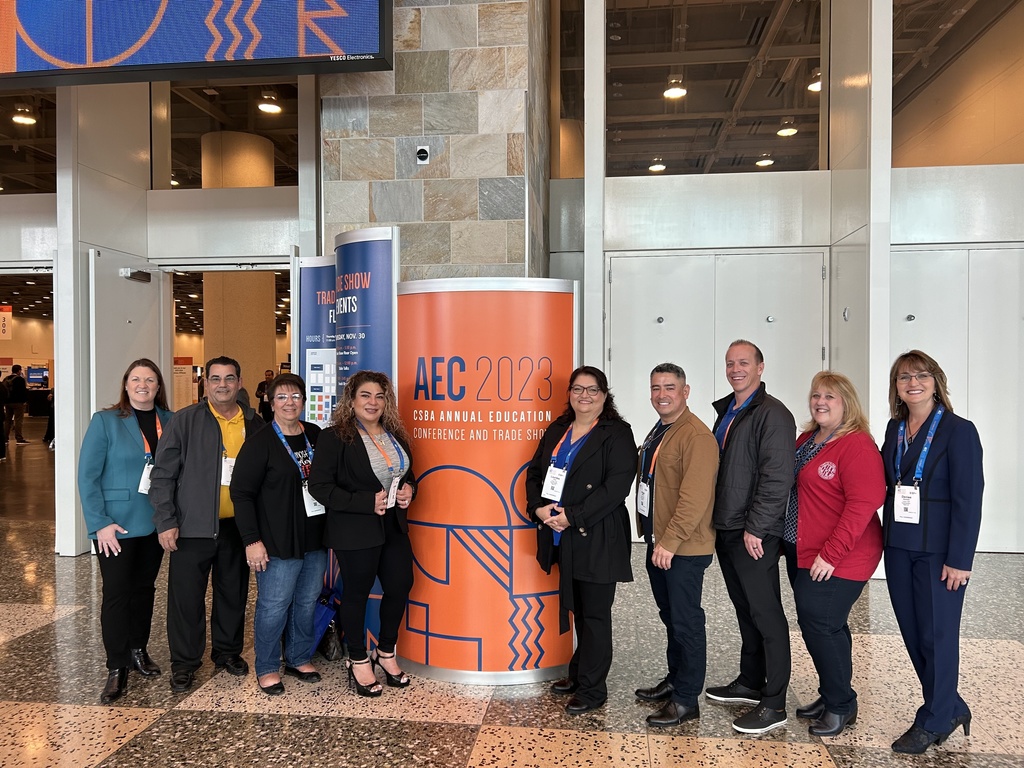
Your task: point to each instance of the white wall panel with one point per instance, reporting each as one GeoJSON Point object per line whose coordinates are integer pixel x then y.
{"type": "Point", "coordinates": [967, 204]}
{"type": "Point", "coordinates": [996, 364]}
{"type": "Point", "coordinates": [742, 210]}
{"type": "Point", "coordinates": [114, 131]}
{"type": "Point", "coordinates": [28, 227]}
{"type": "Point", "coordinates": [223, 222]}
{"type": "Point", "coordinates": [112, 211]}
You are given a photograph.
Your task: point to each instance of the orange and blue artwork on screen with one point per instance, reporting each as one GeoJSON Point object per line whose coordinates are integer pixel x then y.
{"type": "Point", "coordinates": [481, 374]}
{"type": "Point", "coordinates": [47, 35]}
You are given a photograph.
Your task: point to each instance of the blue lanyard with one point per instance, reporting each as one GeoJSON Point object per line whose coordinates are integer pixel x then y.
{"type": "Point", "coordinates": [566, 455]}
{"type": "Point", "coordinates": [653, 435]}
{"type": "Point", "coordinates": [387, 459]}
{"type": "Point", "coordinates": [919, 469]}
{"type": "Point", "coordinates": [303, 468]}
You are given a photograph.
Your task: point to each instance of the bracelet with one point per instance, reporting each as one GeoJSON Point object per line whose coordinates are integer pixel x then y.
{"type": "Point", "coordinates": [258, 541]}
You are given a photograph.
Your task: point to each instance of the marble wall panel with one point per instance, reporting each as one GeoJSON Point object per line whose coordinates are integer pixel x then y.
{"type": "Point", "coordinates": [449, 27]}
{"type": "Point", "coordinates": [478, 242]}
{"type": "Point", "coordinates": [501, 270]}
{"type": "Point", "coordinates": [450, 199]}
{"type": "Point", "coordinates": [344, 117]}
{"type": "Point", "coordinates": [450, 113]}
{"type": "Point", "coordinates": [503, 198]}
{"type": "Point", "coordinates": [503, 24]}
{"type": "Point", "coordinates": [478, 69]}
{"type": "Point", "coordinates": [367, 159]}
{"type": "Point", "coordinates": [396, 115]}
{"type": "Point", "coordinates": [421, 72]}
{"type": "Point", "coordinates": [479, 156]}
{"type": "Point", "coordinates": [502, 111]}
{"type": "Point", "coordinates": [395, 201]}
{"type": "Point", "coordinates": [516, 239]}
{"type": "Point", "coordinates": [439, 271]}
{"type": "Point", "coordinates": [516, 155]}
{"type": "Point", "coordinates": [516, 66]}
{"type": "Point", "coordinates": [407, 167]}
{"type": "Point", "coordinates": [330, 160]}
{"type": "Point", "coordinates": [407, 23]}
{"type": "Point", "coordinates": [429, 243]}
{"type": "Point", "coordinates": [346, 201]}
{"type": "Point", "coordinates": [417, 3]}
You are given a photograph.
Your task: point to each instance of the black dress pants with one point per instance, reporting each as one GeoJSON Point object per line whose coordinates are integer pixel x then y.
{"type": "Point", "coordinates": [129, 587]}
{"type": "Point", "coordinates": [359, 568]}
{"type": "Point", "coordinates": [592, 614]}
{"type": "Point", "coordinates": [187, 582]}
{"type": "Point", "coordinates": [753, 586]}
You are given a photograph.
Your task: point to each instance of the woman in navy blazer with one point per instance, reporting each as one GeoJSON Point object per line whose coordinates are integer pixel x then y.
{"type": "Point", "coordinates": [113, 480]}
{"type": "Point", "coordinates": [932, 518]}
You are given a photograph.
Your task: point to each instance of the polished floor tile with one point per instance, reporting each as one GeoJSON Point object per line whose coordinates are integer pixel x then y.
{"type": "Point", "coordinates": [735, 753]}
{"type": "Point", "coordinates": [498, 747]}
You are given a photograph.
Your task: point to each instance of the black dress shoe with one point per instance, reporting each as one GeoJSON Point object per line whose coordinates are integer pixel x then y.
{"type": "Point", "coordinates": [565, 686]}
{"type": "Point", "coordinates": [812, 711]}
{"type": "Point", "coordinates": [306, 677]}
{"type": "Point", "coordinates": [673, 713]}
{"type": "Point", "coordinates": [916, 741]}
{"type": "Point", "coordinates": [660, 692]}
{"type": "Point", "coordinates": [832, 724]}
{"type": "Point", "coordinates": [117, 684]}
{"type": "Point", "coordinates": [274, 689]}
{"type": "Point", "coordinates": [234, 664]}
{"type": "Point", "coordinates": [577, 706]}
{"type": "Point", "coordinates": [144, 665]}
{"type": "Point", "coordinates": [182, 680]}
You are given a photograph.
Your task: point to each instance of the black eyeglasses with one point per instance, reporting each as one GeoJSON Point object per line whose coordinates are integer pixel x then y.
{"type": "Point", "coordinates": [578, 390]}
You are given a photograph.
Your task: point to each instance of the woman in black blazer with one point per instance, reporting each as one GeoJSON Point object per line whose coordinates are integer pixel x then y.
{"type": "Point", "coordinates": [576, 487]}
{"type": "Point", "coordinates": [363, 475]}
{"type": "Point", "coordinates": [282, 528]}
{"type": "Point", "coordinates": [932, 518]}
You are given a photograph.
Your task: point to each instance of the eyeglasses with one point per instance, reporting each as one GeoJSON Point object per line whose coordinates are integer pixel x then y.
{"type": "Point", "coordinates": [578, 390]}
{"type": "Point", "coordinates": [284, 397]}
{"type": "Point", "coordinates": [218, 379]}
{"type": "Point", "coordinates": [923, 377]}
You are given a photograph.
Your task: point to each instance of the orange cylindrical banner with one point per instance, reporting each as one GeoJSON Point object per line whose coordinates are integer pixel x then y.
{"type": "Point", "coordinates": [483, 367]}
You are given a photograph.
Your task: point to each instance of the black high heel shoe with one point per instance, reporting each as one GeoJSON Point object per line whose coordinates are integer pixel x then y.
{"type": "Point", "coordinates": [964, 720]}
{"type": "Point", "coordinates": [373, 690]}
{"type": "Point", "coordinates": [395, 681]}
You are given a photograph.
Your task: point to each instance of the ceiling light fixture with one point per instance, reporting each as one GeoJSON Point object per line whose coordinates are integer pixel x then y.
{"type": "Point", "coordinates": [675, 88]}
{"type": "Point", "coordinates": [268, 102]}
{"type": "Point", "coordinates": [815, 84]}
{"type": "Point", "coordinates": [787, 128]}
{"type": "Point", "coordinates": [657, 165]}
{"type": "Point", "coordinates": [24, 115]}
{"type": "Point", "coordinates": [764, 160]}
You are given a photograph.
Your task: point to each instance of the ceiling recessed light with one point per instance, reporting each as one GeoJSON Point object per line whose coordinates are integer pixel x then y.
{"type": "Point", "coordinates": [675, 88]}
{"type": "Point", "coordinates": [764, 160]}
{"type": "Point", "coordinates": [24, 115]}
{"type": "Point", "coordinates": [657, 165]}
{"type": "Point", "coordinates": [615, 38]}
{"type": "Point", "coordinates": [787, 127]}
{"type": "Point", "coordinates": [815, 84]}
{"type": "Point", "coordinates": [268, 102]}
{"type": "Point", "coordinates": [193, 295]}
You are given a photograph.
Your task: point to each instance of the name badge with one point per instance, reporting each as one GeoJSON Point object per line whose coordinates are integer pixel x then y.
{"type": "Point", "coordinates": [227, 466]}
{"type": "Point", "coordinates": [554, 482]}
{"type": "Point", "coordinates": [393, 492]}
{"type": "Point", "coordinates": [313, 507]}
{"type": "Point", "coordinates": [144, 481]}
{"type": "Point", "coordinates": [643, 499]}
{"type": "Point", "coordinates": [907, 508]}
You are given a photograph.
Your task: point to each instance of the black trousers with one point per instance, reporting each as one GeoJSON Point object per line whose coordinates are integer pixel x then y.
{"type": "Point", "coordinates": [129, 588]}
{"type": "Point", "coordinates": [392, 564]}
{"type": "Point", "coordinates": [187, 582]}
{"type": "Point", "coordinates": [823, 610]}
{"type": "Point", "coordinates": [592, 658]}
{"type": "Point", "coordinates": [753, 586]}
{"type": "Point", "coordinates": [677, 593]}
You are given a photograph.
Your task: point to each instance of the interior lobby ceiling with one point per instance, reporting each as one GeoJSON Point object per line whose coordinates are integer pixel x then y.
{"type": "Point", "coordinates": [745, 65]}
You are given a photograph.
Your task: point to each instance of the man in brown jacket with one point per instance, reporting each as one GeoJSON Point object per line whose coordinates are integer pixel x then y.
{"type": "Point", "coordinates": [678, 463]}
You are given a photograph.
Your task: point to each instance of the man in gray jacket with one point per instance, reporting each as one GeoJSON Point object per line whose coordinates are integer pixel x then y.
{"type": "Point", "coordinates": [756, 436]}
{"type": "Point", "coordinates": [195, 524]}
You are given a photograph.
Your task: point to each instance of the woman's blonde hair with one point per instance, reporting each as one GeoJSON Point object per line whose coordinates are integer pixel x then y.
{"type": "Point", "coordinates": [910, 362]}
{"type": "Point", "coordinates": [854, 417]}
{"type": "Point", "coordinates": [345, 416]}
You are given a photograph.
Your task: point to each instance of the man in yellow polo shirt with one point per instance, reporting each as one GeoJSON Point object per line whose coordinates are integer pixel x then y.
{"type": "Point", "coordinates": [195, 522]}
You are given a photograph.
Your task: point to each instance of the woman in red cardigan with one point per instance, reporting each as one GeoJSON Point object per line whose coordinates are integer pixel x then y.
{"type": "Point", "coordinates": [833, 540]}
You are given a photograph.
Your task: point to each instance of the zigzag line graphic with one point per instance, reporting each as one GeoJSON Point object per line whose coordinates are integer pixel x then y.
{"type": "Point", "coordinates": [307, 20]}
{"type": "Point", "coordinates": [236, 35]}
{"type": "Point", "coordinates": [528, 638]}
{"type": "Point", "coordinates": [256, 36]}
{"type": "Point", "coordinates": [217, 37]}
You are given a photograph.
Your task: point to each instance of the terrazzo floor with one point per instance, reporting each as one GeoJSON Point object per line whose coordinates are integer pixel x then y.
{"type": "Point", "coordinates": [51, 650]}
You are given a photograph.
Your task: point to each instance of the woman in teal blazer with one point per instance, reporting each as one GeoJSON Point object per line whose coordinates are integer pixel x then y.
{"type": "Point", "coordinates": [113, 480]}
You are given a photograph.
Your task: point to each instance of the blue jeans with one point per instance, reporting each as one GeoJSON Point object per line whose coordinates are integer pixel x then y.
{"type": "Point", "coordinates": [285, 604]}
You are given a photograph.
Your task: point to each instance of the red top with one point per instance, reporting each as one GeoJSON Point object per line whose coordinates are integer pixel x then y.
{"type": "Point", "coordinates": [840, 491]}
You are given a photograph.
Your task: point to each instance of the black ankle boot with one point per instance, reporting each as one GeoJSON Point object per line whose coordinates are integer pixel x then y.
{"type": "Point", "coordinates": [117, 684]}
{"type": "Point", "coordinates": [832, 724]}
{"type": "Point", "coordinates": [144, 665]}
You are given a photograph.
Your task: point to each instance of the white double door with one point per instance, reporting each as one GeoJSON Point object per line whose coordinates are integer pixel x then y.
{"type": "Point", "coordinates": [965, 308]}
